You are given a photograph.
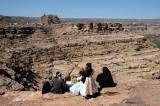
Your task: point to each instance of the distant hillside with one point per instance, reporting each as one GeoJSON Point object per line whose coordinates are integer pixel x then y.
{"type": "Point", "coordinates": [124, 21]}
{"type": "Point", "coordinates": [17, 19]}
{"type": "Point", "coordinates": [24, 20]}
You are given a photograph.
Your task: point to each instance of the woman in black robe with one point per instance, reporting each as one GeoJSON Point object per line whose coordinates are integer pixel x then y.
{"type": "Point", "coordinates": [105, 79]}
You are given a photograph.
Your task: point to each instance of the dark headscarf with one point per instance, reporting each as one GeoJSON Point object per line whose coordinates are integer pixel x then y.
{"type": "Point", "coordinates": [58, 75]}
{"type": "Point", "coordinates": [89, 65]}
{"type": "Point", "coordinates": [88, 70]}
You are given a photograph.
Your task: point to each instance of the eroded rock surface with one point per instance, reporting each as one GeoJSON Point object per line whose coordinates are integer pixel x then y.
{"type": "Point", "coordinates": [41, 54]}
{"type": "Point", "coordinates": [15, 32]}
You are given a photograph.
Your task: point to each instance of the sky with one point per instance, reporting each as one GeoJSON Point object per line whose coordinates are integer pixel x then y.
{"type": "Point", "coordinates": [124, 9]}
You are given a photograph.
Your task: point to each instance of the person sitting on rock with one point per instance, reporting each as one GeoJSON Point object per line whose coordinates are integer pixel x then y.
{"type": "Point", "coordinates": [59, 85]}
{"type": "Point", "coordinates": [105, 79]}
{"type": "Point", "coordinates": [75, 89]}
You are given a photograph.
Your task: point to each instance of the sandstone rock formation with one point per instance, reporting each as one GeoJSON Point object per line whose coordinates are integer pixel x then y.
{"type": "Point", "coordinates": [13, 32]}
{"type": "Point", "coordinates": [50, 19]}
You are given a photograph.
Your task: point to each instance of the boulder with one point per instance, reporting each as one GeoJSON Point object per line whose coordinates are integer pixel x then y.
{"type": "Point", "coordinates": [99, 26]}
{"type": "Point", "coordinates": [10, 84]}
{"type": "Point", "coordinates": [80, 26]}
{"type": "Point", "coordinates": [91, 26]}
{"type": "Point", "coordinates": [2, 31]}
{"type": "Point", "coordinates": [50, 19]}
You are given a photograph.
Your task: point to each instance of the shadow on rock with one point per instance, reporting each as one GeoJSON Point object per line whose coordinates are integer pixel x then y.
{"type": "Point", "coordinates": [23, 71]}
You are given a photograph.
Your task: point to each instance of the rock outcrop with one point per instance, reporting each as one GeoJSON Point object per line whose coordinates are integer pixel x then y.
{"type": "Point", "coordinates": [50, 19]}
{"type": "Point", "coordinates": [15, 32]}
{"type": "Point", "coordinates": [100, 27]}
{"type": "Point", "coordinates": [87, 28]}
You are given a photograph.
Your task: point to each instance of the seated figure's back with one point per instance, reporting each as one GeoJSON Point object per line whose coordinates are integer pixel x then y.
{"type": "Point", "coordinates": [58, 85]}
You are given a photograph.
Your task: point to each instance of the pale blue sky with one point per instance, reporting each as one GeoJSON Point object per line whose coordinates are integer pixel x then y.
{"type": "Point", "coordinates": [83, 8]}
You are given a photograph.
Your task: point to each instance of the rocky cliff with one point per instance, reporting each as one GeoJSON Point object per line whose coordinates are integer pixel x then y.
{"type": "Point", "coordinates": [13, 32]}
{"type": "Point", "coordinates": [34, 57]}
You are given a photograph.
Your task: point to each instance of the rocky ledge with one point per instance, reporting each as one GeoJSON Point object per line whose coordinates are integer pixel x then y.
{"type": "Point", "coordinates": [15, 32]}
